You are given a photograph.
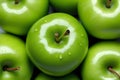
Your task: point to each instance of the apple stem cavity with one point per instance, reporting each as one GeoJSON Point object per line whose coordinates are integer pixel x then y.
{"type": "Point", "coordinates": [114, 72]}
{"type": "Point", "coordinates": [58, 37]}
{"type": "Point", "coordinates": [17, 1]}
{"type": "Point", "coordinates": [6, 68]}
{"type": "Point", "coordinates": [108, 3]}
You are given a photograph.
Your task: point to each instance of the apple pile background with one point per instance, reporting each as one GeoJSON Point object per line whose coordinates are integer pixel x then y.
{"type": "Point", "coordinates": [92, 41]}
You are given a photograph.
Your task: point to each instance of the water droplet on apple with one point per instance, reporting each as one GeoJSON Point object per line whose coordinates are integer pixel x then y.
{"type": "Point", "coordinates": [45, 20]}
{"type": "Point", "coordinates": [36, 30]}
{"type": "Point", "coordinates": [69, 53]}
{"type": "Point", "coordinates": [82, 35]}
{"type": "Point", "coordinates": [80, 44]}
{"type": "Point", "coordinates": [60, 57]}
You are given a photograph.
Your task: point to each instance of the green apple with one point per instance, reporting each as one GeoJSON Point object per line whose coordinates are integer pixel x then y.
{"type": "Point", "coordinates": [57, 44]}
{"type": "Point", "coordinates": [102, 62]}
{"type": "Point", "coordinates": [17, 16]}
{"type": "Point", "coordinates": [100, 17]}
{"type": "Point", "coordinates": [14, 61]}
{"type": "Point", "coordinates": [42, 76]}
{"type": "Point", "coordinates": [67, 6]}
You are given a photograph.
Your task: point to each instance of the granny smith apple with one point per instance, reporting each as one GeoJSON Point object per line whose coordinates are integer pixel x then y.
{"type": "Point", "coordinates": [102, 62]}
{"type": "Point", "coordinates": [14, 61]}
{"type": "Point", "coordinates": [42, 76]}
{"type": "Point", "coordinates": [67, 6]}
{"type": "Point", "coordinates": [17, 16]}
{"type": "Point", "coordinates": [57, 44]}
{"type": "Point", "coordinates": [100, 17]}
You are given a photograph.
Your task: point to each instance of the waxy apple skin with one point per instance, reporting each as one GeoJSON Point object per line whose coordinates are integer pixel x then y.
{"type": "Point", "coordinates": [42, 76]}
{"type": "Point", "coordinates": [100, 57]}
{"type": "Point", "coordinates": [18, 18]}
{"type": "Point", "coordinates": [100, 21]}
{"type": "Point", "coordinates": [13, 54]}
{"type": "Point", "coordinates": [67, 6]}
{"type": "Point", "coordinates": [57, 59]}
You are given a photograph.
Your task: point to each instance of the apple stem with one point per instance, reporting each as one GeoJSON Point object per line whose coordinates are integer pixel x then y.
{"type": "Point", "coordinates": [108, 4]}
{"type": "Point", "coordinates": [16, 1]}
{"type": "Point", "coordinates": [114, 72]}
{"type": "Point", "coordinates": [58, 37]}
{"type": "Point", "coordinates": [11, 69]}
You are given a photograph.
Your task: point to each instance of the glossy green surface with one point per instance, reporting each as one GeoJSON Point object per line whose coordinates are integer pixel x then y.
{"type": "Point", "coordinates": [100, 21]}
{"type": "Point", "coordinates": [54, 58]}
{"type": "Point", "coordinates": [68, 6]}
{"type": "Point", "coordinates": [42, 76]}
{"type": "Point", "coordinates": [13, 54]}
{"type": "Point", "coordinates": [18, 18]}
{"type": "Point", "coordinates": [100, 57]}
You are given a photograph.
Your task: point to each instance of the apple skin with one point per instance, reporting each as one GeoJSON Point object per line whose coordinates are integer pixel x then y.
{"type": "Point", "coordinates": [42, 76]}
{"type": "Point", "coordinates": [100, 21]}
{"type": "Point", "coordinates": [18, 18]}
{"type": "Point", "coordinates": [67, 6]}
{"type": "Point", "coordinates": [13, 54]}
{"type": "Point", "coordinates": [52, 58]}
{"type": "Point", "coordinates": [100, 57]}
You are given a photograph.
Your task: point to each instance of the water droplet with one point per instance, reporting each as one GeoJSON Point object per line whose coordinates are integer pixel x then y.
{"type": "Point", "coordinates": [69, 53]}
{"type": "Point", "coordinates": [82, 35]}
{"type": "Point", "coordinates": [36, 30]}
{"type": "Point", "coordinates": [60, 57]}
{"type": "Point", "coordinates": [45, 20]}
{"type": "Point", "coordinates": [80, 44]}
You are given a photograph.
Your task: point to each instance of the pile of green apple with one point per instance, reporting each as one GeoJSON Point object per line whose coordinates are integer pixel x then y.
{"type": "Point", "coordinates": [59, 39]}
